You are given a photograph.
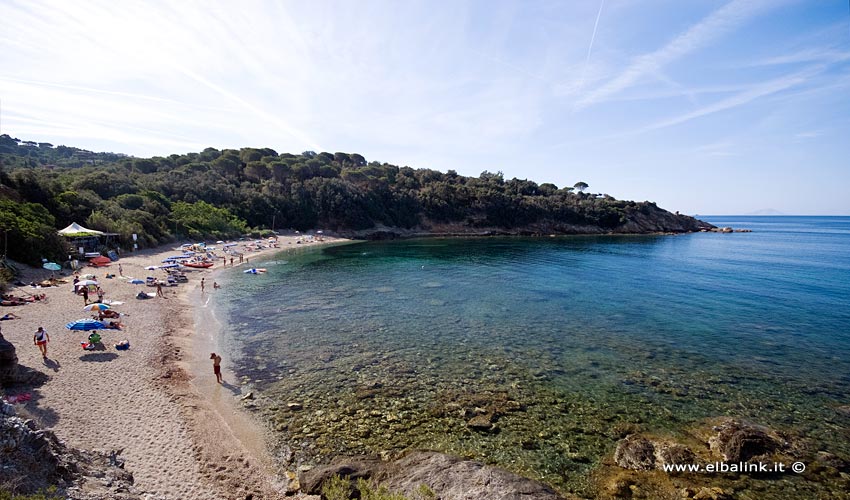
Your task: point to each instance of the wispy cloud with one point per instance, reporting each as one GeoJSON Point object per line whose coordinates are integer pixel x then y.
{"type": "Point", "coordinates": [755, 92]}
{"type": "Point", "coordinates": [721, 21]}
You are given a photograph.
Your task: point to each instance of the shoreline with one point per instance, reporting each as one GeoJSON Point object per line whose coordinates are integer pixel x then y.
{"type": "Point", "coordinates": [153, 403]}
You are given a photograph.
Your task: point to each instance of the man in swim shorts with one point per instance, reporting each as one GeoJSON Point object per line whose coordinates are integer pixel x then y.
{"type": "Point", "coordinates": [41, 338]}
{"type": "Point", "coordinates": [216, 366]}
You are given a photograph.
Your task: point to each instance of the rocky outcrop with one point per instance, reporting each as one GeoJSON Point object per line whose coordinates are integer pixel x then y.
{"type": "Point", "coordinates": [640, 453]}
{"type": "Point", "coordinates": [34, 459]}
{"type": "Point", "coordinates": [448, 477]}
{"type": "Point", "coordinates": [8, 363]}
{"type": "Point", "coordinates": [653, 220]}
{"type": "Point", "coordinates": [730, 440]}
{"type": "Point", "coordinates": [739, 441]}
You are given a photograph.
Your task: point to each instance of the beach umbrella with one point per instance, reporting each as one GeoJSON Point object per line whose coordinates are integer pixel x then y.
{"type": "Point", "coordinates": [169, 266]}
{"type": "Point", "coordinates": [150, 268]}
{"type": "Point", "coordinates": [136, 281]}
{"type": "Point", "coordinates": [85, 324]}
{"type": "Point", "coordinates": [51, 266]}
{"type": "Point", "coordinates": [96, 306]}
{"type": "Point", "coordinates": [113, 302]}
{"type": "Point", "coordinates": [87, 282]}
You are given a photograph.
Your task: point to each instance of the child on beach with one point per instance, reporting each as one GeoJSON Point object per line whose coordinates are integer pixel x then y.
{"type": "Point", "coordinates": [41, 338]}
{"type": "Point", "coordinates": [216, 366]}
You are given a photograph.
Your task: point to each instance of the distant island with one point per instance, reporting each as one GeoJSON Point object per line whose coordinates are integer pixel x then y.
{"type": "Point", "coordinates": [222, 194]}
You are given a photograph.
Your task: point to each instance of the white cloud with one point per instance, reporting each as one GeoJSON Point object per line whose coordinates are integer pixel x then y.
{"type": "Point", "coordinates": [720, 22]}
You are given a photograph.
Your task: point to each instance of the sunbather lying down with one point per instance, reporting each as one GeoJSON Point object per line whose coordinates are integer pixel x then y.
{"type": "Point", "coordinates": [109, 314]}
{"type": "Point", "coordinates": [114, 325]}
{"type": "Point", "coordinates": [9, 316]}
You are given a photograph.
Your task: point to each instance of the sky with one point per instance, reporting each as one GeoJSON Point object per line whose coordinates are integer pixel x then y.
{"type": "Point", "coordinates": [703, 106]}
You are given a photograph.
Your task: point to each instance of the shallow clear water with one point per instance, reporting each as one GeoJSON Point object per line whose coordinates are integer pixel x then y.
{"type": "Point", "coordinates": [568, 342]}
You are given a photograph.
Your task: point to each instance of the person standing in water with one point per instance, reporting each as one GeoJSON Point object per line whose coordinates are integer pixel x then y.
{"type": "Point", "coordinates": [216, 359]}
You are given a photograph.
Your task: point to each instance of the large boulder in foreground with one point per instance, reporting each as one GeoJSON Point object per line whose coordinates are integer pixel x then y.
{"type": "Point", "coordinates": [8, 363]}
{"type": "Point", "coordinates": [33, 459]}
{"type": "Point", "coordinates": [449, 477]}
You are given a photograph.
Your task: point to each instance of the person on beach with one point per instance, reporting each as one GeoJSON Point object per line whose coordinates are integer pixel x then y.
{"type": "Point", "coordinates": [231, 261]}
{"type": "Point", "coordinates": [86, 294]}
{"type": "Point", "coordinates": [216, 366]}
{"type": "Point", "coordinates": [9, 316]}
{"type": "Point", "coordinates": [120, 270]}
{"type": "Point", "coordinates": [216, 286]}
{"type": "Point", "coordinates": [202, 286]}
{"type": "Point", "coordinates": [100, 294]}
{"type": "Point", "coordinates": [76, 280]}
{"type": "Point", "coordinates": [159, 290]}
{"type": "Point", "coordinates": [41, 338]}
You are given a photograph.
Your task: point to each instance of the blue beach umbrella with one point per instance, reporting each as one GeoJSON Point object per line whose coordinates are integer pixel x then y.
{"type": "Point", "coordinates": [137, 281]}
{"type": "Point", "coordinates": [85, 324]}
{"type": "Point", "coordinates": [51, 266]}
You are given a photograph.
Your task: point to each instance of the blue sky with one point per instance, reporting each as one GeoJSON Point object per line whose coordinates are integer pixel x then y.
{"type": "Point", "coordinates": [707, 107]}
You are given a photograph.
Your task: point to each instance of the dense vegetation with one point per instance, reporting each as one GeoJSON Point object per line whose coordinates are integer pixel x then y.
{"type": "Point", "coordinates": [226, 193]}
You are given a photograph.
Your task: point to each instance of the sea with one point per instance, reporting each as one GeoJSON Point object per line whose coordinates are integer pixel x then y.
{"type": "Point", "coordinates": [559, 345]}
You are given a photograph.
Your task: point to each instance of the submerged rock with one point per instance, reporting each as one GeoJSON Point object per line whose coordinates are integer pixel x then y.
{"type": "Point", "coordinates": [739, 441]}
{"type": "Point", "coordinates": [448, 477]}
{"type": "Point", "coordinates": [635, 452]}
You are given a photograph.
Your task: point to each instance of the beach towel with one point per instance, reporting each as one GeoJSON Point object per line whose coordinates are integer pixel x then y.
{"type": "Point", "coordinates": [19, 398]}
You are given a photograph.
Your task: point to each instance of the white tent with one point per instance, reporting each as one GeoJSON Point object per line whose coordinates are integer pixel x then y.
{"type": "Point", "coordinates": [78, 230]}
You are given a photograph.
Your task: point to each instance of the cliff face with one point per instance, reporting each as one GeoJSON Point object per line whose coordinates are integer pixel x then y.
{"type": "Point", "coordinates": [653, 220]}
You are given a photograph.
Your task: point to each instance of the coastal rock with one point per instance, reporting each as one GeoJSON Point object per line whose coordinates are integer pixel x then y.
{"type": "Point", "coordinates": [482, 423]}
{"type": "Point", "coordinates": [448, 477]}
{"type": "Point", "coordinates": [673, 454]}
{"type": "Point", "coordinates": [739, 441]}
{"type": "Point", "coordinates": [8, 363]}
{"type": "Point", "coordinates": [844, 410]}
{"type": "Point", "coordinates": [34, 459]}
{"type": "Point", "coordinates": [294, 406]}
{"type": "Point", "coordinates": [452, 478]}
{"type": "Point", "coordinates": [635, 452]}
{"type": "Point", "coordinates": [353, 468]}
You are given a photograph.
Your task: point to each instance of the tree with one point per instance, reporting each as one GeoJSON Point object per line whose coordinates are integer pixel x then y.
{"type": "Point", "coordinates": [201, 219]}
{"type": "Point", "coordinates": [581, 186]}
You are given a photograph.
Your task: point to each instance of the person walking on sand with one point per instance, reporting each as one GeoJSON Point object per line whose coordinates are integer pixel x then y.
{"type": "Point", "coordinates": [216, 366]}
{"type": "Point", "coordinates": [159, 290]}
{"type": "Point", "coordinates": [202, 286]}
{"type": "Point", "coordinates": [86, 294]}
{"type": "Point", "coordinates": [231, 261]}
{"type": "Point", "coordinates": [120, 270]}
{"type": "Point", "coordinates": [41, 338]}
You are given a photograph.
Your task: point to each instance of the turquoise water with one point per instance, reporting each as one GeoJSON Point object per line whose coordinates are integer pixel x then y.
{"type": "Point", "coordinates": [566, 344]}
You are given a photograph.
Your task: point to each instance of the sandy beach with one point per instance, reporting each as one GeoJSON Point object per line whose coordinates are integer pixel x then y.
{"type": "Point", "coordinates": [180, 433]}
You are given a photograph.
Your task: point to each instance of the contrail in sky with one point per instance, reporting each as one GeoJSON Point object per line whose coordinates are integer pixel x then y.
{"type": "Point", "coordinates": [593, 36]}
{"type": "Point", "coordinates": [590, 47]}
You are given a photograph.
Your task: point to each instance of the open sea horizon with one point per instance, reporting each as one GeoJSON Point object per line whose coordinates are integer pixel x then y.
{"type": "Point", "coordinates": [396, 345]}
